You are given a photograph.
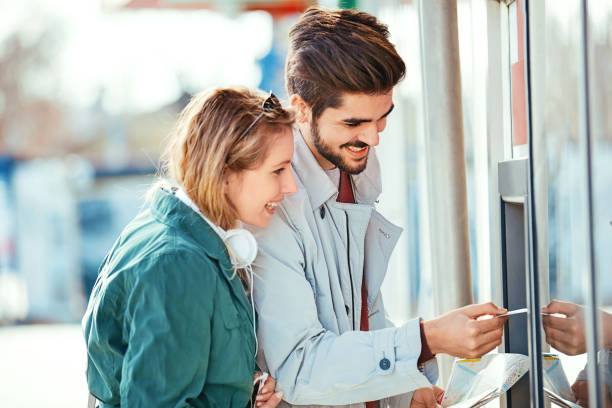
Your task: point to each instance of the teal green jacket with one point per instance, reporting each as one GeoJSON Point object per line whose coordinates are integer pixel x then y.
{"type": "Point", "coordinates": [168, 323]}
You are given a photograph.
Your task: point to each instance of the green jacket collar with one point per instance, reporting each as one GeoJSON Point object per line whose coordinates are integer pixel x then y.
{"type": "Point", "coordinates": [171, 211]}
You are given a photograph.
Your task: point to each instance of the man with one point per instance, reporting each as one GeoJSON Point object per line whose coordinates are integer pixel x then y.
{"type": "Point", "coordinates": [322, 326]}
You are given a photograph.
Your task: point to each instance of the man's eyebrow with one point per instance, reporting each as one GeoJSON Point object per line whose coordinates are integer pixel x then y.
{"type": "Point", "coordinates": [388, 112]}
{"type": "Point", "coordinates": [357, 121]}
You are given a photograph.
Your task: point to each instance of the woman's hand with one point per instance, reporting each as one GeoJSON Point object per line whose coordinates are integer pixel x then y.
{"type": "Point", "coordinates": [266, 397]}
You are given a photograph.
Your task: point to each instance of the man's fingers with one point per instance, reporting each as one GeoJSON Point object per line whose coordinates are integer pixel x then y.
{"type": "Point", "coordinates": [557, 335]}
{"type": "Point", "coordinates": [430, 400]}
{"type": "Point", "coordinates": [560, 323]}
{"type": "Point", "coordinates": [424, 397]}
{"type": "Point", "coordinates": [438, 392]}
{"type": "Point", "coordinates": [488, 325]}
{"type": "Point", "coordinates": [557, 345]}
{"type": "Point", "coordinates": [557, 306]}
{"type": "Point", "coordinates": [480, 343]}
{"type": "Point", "coordinates": [485, 348]}
{"type": "Point", "coordinates": [565, 342]}
{"type": "Point", "coordinates": [482, 309]}
{"type": "Point", "coordinates": [579, 386]}
{"type": "Point", "coordinates": [581, 391]}
{"type": "Point", "coordinates": [490, 337]}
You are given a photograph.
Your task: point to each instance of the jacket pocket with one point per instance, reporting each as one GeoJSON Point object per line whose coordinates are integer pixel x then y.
{"type": "Point", "coordinates": [230, 317]}
{"type": "Point", "coordinates": [381, 238]}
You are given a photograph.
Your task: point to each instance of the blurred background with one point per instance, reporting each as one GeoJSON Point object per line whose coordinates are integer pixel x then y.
{"type": "Point", "coordinates": [90, 88]}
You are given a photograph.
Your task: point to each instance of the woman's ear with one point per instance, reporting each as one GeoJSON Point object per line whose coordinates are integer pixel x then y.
{"type": "Point", "coordinates": [301, 108]}
{"type": "Point", "coordinates": [225, 178]}
{"type": "Point", "coordinates": [229, 177]}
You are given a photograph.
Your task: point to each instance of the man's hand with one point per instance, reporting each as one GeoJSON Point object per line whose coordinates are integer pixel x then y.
{"type": "Point", "coordinates": [581, 392]}
{"type": "Point", "coordinates": [266, 397]}
{"type": "Point", "coordinates": [426, 397]}
{"type": "Point", "coordinates": [565, 334]}
{"type": "Point", "coordinates": [459, 334]}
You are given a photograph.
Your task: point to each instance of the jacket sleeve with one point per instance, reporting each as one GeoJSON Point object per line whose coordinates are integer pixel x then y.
{"type": "Point", "coordinates": [168, 325]}
{"type": "Point", "coordinates": [313, 365]}
{"type": "Point", "coordinates": [430, 368]}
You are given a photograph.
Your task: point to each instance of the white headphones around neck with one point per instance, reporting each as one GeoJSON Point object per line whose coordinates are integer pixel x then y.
{"type": "Point", "coordinates": [240, 243]}
{"type": "Point", "coordinates": [241, 246]}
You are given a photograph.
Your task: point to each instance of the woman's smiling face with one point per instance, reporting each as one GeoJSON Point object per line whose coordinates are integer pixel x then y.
{"type": "Point", "coordinates": [255, 193]}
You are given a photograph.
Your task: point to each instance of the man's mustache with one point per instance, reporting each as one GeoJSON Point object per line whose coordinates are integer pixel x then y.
{"type": "Point", "coordinates": [357, 144]}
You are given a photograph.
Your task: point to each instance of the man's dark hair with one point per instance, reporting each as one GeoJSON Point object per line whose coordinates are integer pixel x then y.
{"type": "Point", "coordinates": [332, 52]}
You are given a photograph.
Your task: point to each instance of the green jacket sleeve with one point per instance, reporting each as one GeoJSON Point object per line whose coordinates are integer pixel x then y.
{"type": "Point", "coordinates": [168, 323]}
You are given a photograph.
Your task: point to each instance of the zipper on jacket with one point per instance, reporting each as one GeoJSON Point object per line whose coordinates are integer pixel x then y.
{"type": "Point", "coordinates": [348, 262]}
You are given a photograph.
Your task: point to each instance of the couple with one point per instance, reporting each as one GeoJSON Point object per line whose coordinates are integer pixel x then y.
{"type": "Point", "coordinates": [169, 322]}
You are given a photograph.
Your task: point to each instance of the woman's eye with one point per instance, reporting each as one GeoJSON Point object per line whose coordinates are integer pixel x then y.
{"type": "Point", "coordinates": [279, 171]}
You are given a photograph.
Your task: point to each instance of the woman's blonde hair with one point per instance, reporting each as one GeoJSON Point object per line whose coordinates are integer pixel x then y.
{"type": "Point", "coordinates": [209, 141]}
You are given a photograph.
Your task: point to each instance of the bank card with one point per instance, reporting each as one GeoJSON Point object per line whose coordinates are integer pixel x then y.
{"type": "Point", "coordinates": [513, 312]}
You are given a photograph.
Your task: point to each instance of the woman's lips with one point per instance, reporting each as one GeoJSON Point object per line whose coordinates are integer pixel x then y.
{"type": "Point", "coordinates": [271, 206]}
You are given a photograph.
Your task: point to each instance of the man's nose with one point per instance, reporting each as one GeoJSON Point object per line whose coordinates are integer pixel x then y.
{"type": "Point", "coordinates": [370, 135]}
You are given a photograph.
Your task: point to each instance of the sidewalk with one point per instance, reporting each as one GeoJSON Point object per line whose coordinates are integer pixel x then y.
{"type": "Point", "coordinates": [42, 366]}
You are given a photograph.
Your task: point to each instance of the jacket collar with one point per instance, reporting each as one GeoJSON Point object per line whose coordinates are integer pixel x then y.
{"type": "Point", "coordinates": [366, 185]}
{"type": "Point", "coordinates": [170, 210]}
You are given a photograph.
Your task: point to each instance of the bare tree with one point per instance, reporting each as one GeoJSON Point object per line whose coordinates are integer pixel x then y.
{"type": "Point", "coordinates": [29, 123]}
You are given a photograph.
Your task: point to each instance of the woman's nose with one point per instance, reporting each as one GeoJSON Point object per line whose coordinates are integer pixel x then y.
{"type": "Point", "coordinates": [289, 184]}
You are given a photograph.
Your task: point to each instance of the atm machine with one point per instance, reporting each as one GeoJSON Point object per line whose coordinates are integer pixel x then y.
{"type": "Point", "coordinates": [519, 275]}
{"type": "Point", "coordinates": [522, 197]}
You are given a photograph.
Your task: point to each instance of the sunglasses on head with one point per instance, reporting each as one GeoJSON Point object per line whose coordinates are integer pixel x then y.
{"type": "Point", "coordinates": [269, 105]}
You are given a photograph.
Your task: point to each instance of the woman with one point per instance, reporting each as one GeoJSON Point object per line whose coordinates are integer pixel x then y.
{"type": "Point", "coordinates": [169, 323]}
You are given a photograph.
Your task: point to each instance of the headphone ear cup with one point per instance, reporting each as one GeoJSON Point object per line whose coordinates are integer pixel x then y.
{"type": "Point", "coordinates": [242, 246]}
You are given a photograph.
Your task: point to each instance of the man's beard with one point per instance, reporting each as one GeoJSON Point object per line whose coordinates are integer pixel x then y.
{"type": "Point", "coordinates": [336, 158]}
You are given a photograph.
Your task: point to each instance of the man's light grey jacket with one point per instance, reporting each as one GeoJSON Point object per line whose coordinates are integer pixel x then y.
{"type": "Point", "coordinates": [307, 293]}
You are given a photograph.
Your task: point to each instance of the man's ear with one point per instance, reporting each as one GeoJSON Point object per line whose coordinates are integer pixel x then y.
{"type": "Point", "coordinates": [303, 112]}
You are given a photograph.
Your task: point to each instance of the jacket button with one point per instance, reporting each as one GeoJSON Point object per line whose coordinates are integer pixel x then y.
{"type": "Point", "coordinates": [348, 310]}
{"type": "Point", "coordinates": [385, 364]}
{"type": "Point", "coordinates": [322, 212]}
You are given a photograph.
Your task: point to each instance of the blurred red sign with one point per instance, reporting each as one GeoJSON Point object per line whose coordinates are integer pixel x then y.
{"type": "Point", "coordinates": [275, 8]}
{"type": "Point", "coordinates": [517, 72]}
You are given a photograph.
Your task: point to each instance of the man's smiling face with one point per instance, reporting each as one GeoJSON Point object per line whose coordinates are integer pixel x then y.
{"type": "Point", "coordinates": [343, 136]}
